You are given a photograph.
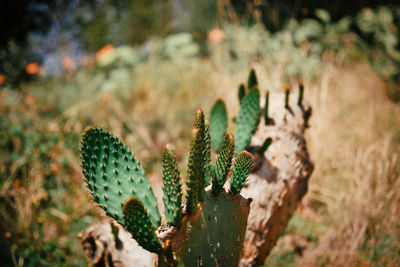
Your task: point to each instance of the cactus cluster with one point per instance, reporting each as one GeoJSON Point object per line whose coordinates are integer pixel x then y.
{"type": "Point", "coordinates": [246, 121]}
{"type": "Point", "coordinates": [203, 226]}
{"type": "Point", "coordinates": [119, 185]}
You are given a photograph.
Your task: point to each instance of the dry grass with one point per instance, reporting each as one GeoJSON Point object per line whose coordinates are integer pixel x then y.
{"type": "Point", "coordinates": [354, 139]}
{"type": "Point", "coordinates": [354, 193]}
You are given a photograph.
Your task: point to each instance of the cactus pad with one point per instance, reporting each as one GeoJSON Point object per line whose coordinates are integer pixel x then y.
{"type": "Point", "coordinates": [241, 92]}
{"type": "Point", "coordinates": [214, 235]}
{"type": "Point", "coordinates": [241, 169]}
{"type": "Point", "coordinates": [200, 123]}
{"type": "Point", "coordinates": [195, 171]}
{"type": "Point", "coordinates": [207, 153]}
{"type": "Point", "coordinates": [138, 223]}
{"type": "Point", "coordinates": [224, 163]}
{"type": "Point", "coordinates": [113, 174]}
{"type": "Point", "coordinates": [247, 120]}
{"type": "Point", "coordinates": [171, 187]}
{"type": "Point", "coordinates": [218, 124]}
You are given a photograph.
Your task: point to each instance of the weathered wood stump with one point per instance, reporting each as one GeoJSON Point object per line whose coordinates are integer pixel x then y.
{"type": "Point", "coordinates": [281, 179]}
{"type": "Point", "coordinates": [277, 185]}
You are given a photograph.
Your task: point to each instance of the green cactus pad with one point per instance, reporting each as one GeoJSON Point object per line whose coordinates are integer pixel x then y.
{"type": "Point", "coordinates": [241, 92]}
{"type": "Point", "coordinates": [207, 153]}
{"type": "Point", "coordinates": [138, 223]}
{"type": "Point", "coordinates": [247, 120]}
{"type": "Point", "coordinates": [171, 187]}
{"type": "Point", "coordinates": [252, 80]}
{"type": "Point", "coordinates": [224, 163]}
{"type": "Point", "coordinates": [113, 174]}
{"type": "Point", "coordinates": [214, 235]}
{"type": "Point", "coordinates": [195, 171]}
{"type": "Point", "coordinates": [241, 169]}
{"type": "Point", "coordinates": [199, 122]}
{"type": "Point", "coordinates": [218, 124]}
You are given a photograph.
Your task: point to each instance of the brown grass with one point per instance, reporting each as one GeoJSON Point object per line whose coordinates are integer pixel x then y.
{"type": "Point", "coordinates": [354, 141]}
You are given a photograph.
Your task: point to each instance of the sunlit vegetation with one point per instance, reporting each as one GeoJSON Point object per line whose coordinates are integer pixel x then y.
{"type": "Point", "coordinates": [146, 94]}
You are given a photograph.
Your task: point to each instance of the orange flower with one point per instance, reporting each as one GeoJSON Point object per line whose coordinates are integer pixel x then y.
{"type": "Point", "coordinates": [216, 36]}
{"type": "Point", "coordinates": [32, 68]}
{"type": "Point", "coordinates": [68, 63]}
{"type": "Point", "coordinates": [2, 79]}
{"type": "Point", "coordinates": [104, 51]}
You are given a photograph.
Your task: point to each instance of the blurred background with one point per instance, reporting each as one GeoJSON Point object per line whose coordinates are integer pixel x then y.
{"type": "Point", "coordinates": [140, 68]}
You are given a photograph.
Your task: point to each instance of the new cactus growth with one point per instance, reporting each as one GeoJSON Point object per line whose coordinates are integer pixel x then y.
{"type": "Point", "coordinates": [301, 94]}
{"type": "Point", "coordinates": [139, 225]}
{"type": "Point", "coordinates": [266, 115]}
{"type": "Point", "coordinates": [252, 80]}
{"type": "Point", "coordinates": [224, 162]}
{"type": "Point", "coordinates": [241, 92]}
{"type": "Point", "coordinates": [207, 153]}
{"type": "Point", "coordinates": [286, 88]}
{"type": "Point", "coordinates": [171, 187]}
{"type": "Point", "coordinates": [265, 145]}
{"type": "Point", "coordinates": [203, 146]}
{"type": "Point", "coordinates": [195, 172]}
{"type": "Point", "coordinates": [247, 120]}
{"type": "Point", "coordinates": [241, 170]}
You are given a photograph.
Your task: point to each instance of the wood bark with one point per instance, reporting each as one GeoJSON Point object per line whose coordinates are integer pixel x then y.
{"type": "Point", "coordinates": [277, 185]}
{"type": "Point", "coordinates": [281, 179]}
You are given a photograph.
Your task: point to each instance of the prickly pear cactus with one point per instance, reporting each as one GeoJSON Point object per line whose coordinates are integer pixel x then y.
{"type": "Point", "coordinates": [113, 174]}
{"type": "Point", "coordinates": [214, 235]}
{"type": "Point", "coordinates": [212, 229]}
{"type": "Point", "coordinates": [204, 225]}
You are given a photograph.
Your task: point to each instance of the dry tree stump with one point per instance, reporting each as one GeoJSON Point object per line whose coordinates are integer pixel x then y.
{"type": "Point", "coordinates": [280, 179]}
{"type": "Point", "coordinates": [277, 185]}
